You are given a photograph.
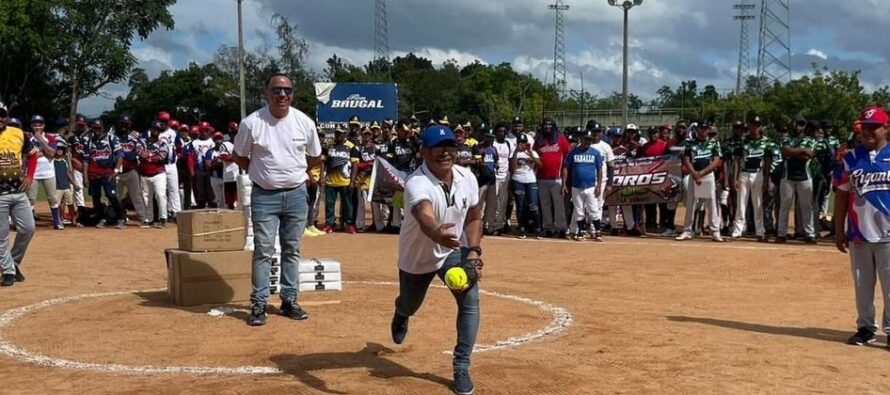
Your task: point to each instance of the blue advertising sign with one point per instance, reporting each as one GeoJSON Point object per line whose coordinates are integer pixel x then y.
{"type": "Point", "coordinates": [336, 102]}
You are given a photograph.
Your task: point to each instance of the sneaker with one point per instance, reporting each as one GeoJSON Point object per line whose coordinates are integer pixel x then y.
{"type": "Point", "coordinates": [101, 223]}
{"type": "Point", "coordinates": [578, 237]}
{"type": "Point", "coordinates": [715, 237]}
{"type": "Point", "coordinates": [522, 234]}
{"type": "Point", "coordinates": [121, 225]}
{"type": "Point", "coordinates": [328, 229]}
{"type": "Point", "coordinates": [59, 226]}
{"type": "Point", "coordinates": [313, 231]}
{"type": "Point", "coordinates": [684, 236]}
{"type": "Point", "coordinates": [598, 236]}
{"type": "Point", "coordinates": [463, 385]}
{"type": "Point", "coordinates": [540, 235]}
{"type": "Point", "coordinates": [161, 224]}
{"type": "Point", "coordinates": [668, 233]}
{"type": "Point", "coordinates": [308, 233]}
{"type": "Point", "coordinates": [862, 337]}
{"type": "Point", "coordinates": [810, 240]}
{"type": "Point", "coordinates": [735, 237]}
{"type": "Point", "coordinates": [66, 221]}
{"type": "Point", "coordinates": [292, 310]}
{"type": "Point", "coordinates": [145, 225]}
{"type": "Point", "coordinates": [7, 280]}
{"type": "Point", "coordinates": [781, 240]}
{"type": "Point", "coordinates": [19, 277]}
{"type": "Point", "coordinates": [399, 328]}
{"type": "Point", "coordinates": [257, 315]}
{"type": "Point", "coordinates": [351, 229]}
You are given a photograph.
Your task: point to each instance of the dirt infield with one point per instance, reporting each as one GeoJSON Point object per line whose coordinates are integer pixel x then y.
{"type": "Point", "coordinates": [649, 315]}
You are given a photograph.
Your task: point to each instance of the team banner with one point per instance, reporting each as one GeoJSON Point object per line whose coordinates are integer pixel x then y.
{"type": "Point", "coordinates": [336, 102]}
{"type": "Point", "coordinates": [386, 182]}
{"type": "Point", "coordinates": [645, 181]}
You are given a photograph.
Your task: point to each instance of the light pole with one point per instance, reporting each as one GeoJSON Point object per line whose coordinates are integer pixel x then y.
{"type": "Point", "coordinates": [626, 5]}
{"type": "Point", "coordinates": [241, 62]}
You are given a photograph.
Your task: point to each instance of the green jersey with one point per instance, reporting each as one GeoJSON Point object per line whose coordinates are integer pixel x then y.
{"type": "Point", "coordinates": [752, 153]}
{"type": "Point", "coordinates": [797, 169]}
{"type": "Point", "coordinates": [701, 152]}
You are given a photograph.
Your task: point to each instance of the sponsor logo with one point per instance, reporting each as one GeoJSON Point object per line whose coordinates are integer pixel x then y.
{"type": "Point", "coordinates": [356, 101]}
{"type": "Point", "coordinates": [639, 180]}
{"type": "Point", "coordinates": [864, 182]}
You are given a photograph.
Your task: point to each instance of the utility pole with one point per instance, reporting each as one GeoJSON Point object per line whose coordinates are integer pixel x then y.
{"type": "Point", "coordinates": [774, 51]}
{"type": "Point", "coordinates": [744, 59]}
{"type": "Point", "coordinates": [381, 31]}
{"type": "Point", "coordinates": [625, 6]}
{"type": "Point", "coordinates": [559, 49]}
{"type": "Point", "coordinates": [241, 62]}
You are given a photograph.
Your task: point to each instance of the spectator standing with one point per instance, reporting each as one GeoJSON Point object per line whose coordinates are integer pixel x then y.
{"type": "Point", "coordinates": [583, 173]}
{"type": "Point", "coordinates": [702, 158]}
{"type": "Point", "coordinates": [19, 153]}
{"type": "Point", "coordinates": [505, 151]}
{"type": "Point", "coordinates": [797, 183]}
{"type": "Point", "coordinates": [339, 166]}
{"type": "Point", "coordinates": [366, 154]}
{"type": "Point", "coordinates": [752, 160]}
{"type": "Point", "coordinates": [223, 171]}
{"type": "Point", "coordinates": [102, 163]}
{"type": "Point", "coordinates": [128, 179]}
{"type": "Point", "coordinates": [64, 183]}
{"type": "Point", "coordinates": [171, 140]}
{"type": "Point", "coordinates": [203, 189]}
{"type": "Point", "coordinates": [523, 166]}
{"type": "Point", "coordinates": [552, 147]}
{"type": "Point", "coordinates": [45, 174]}
{"type": "Point", "coordinates": [152, 168]}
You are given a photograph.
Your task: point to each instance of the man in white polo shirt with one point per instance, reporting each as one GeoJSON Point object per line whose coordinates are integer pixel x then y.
{"type": "Point", "coordinates": [276, 145]}
{"type": "Point", "coordinates": [441, 229]}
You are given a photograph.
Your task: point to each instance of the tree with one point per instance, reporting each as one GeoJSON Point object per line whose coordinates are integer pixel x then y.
{"type": "Point", "coordinates": [91, 47]}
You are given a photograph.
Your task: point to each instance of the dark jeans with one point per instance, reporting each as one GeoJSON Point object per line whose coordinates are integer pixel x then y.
{"type": "Point", "coordinates": [652, 211]}
{"type": "Point", "coordinates": [96, 188]}
{"type": "Point", "coordinates": [186, 180]}
{"type": "Point", "coordinates": [667, 216]}
{"type": "Point", "coordinates": [204, 196]}
{"type": "Point", "coordinates": [330, 201]}
{"type": "Point", "coordinates": [412, 290]}
{"type": "Point", "coordinates": [527, 204]}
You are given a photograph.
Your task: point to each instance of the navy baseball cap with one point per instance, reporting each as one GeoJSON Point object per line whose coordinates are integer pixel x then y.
{"type": "Point", "coordinates": [435, 135]}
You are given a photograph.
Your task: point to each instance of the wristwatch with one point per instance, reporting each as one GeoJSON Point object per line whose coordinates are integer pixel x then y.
{"type": "Point", "coordinates": [476, 249]}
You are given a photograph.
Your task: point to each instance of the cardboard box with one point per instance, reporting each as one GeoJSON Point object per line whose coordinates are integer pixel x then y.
{"type": "Point", "coordinates": [211, 230]}
{"type": "Point", "coordinates": [319, 276]}
{"type": "Point", "coordinates": [319, 265]}
{"type": "Point", "coordinates": [321, 286]}
{"type": "Point", "coordinates": [196, 278]}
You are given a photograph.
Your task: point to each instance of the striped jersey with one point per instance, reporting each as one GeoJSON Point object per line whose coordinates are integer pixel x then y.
{"type": "Point", "coordinates": [866, 176]}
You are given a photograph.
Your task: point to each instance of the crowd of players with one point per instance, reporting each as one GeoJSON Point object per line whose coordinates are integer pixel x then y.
{"type": "Point", "coordinates": [758, 180]}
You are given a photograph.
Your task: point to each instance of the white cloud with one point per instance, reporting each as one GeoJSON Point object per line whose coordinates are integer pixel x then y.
{"type": "Point", "coordinates": [817, 53]}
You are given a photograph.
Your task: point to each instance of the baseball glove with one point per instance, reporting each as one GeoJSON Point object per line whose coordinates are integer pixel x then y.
{"type": "Point", "coordinates": [470, 265]}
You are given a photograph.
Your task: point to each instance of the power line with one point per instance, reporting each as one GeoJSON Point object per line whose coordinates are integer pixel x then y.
{"type": "Point", "coordinates": [774, 53]}
{"type": "Point", "coordinates": [744, 66]}
{"type": "Point", "coordinates": [559, 48]}
{"type": "Point", "coordinates": [381, 32]}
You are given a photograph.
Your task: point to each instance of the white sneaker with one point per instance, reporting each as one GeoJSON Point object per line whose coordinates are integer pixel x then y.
{"type": "Point", "coordinates": [716, 237]}
{"type": "Point", "coordinates": [684, 236]}
{"type": "Point", "coordinates": [668, 233]}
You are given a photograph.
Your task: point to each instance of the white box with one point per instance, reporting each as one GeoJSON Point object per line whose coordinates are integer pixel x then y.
{"type": "Point", "coordinates": [275, 271]}
{"type": "Point", "coordinates": [274, 289]}
{"type": "Point", "coordinates": [321, 286]}
{"type": "Point", "coordinates": [319, 265]}
{"type": "Point", "coordinates": [319, 276]}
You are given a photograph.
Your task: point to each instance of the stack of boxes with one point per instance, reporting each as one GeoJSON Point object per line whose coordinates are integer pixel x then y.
{"type": "Point", "coordinates": [210, 265]}
{"type": "Point", "coordinates": [244, 188]}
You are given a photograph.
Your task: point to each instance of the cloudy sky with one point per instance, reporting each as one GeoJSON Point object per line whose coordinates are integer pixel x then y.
{"type": "Point", "coordinates": [671, 40]}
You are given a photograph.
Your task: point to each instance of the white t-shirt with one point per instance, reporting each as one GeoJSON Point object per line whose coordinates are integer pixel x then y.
{"type": "Point", "coordinates": [418, 254]}
{"type": "Point", "coordinates": [525, 168]}
{"type": "Point", "coordinates": [169, 137]}
{"type": "Point", "coordinates": [201, 148]}
{"type": "Point", "coordinates": [277, 148]}
{"type": "Point", "coordinates": [606, 151]}
{"type": "Point", "coordinates": [45, 169]}
{"type": "Point", "coordinates": [505, 152]}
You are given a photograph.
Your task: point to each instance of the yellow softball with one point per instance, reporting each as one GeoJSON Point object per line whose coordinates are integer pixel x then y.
{"type": "Point", "coordinates": [456, 278]}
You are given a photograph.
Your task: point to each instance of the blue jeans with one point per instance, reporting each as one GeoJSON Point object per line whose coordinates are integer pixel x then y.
{"type": "Point", "coordinates": [107, 185]}
{"type": "Point", "coordinates": [15, 207]}
{"type": "Point", "coordinates": [412, 290]}
{"type": "Point", "coordinates": [528, 204]}
{"type": "Point", "coordinates": [281, 212]}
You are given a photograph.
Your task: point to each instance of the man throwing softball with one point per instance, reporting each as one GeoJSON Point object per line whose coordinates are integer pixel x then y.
{"type": "Point", "coordinates": [442, 229]}
{"type": "Point", "coordinates": [863, 199]}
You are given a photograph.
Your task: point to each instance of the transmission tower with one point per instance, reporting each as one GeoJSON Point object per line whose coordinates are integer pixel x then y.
{"type": "Point", "coordinates": [743, 16]}
{"type": "Point", "coordinates": [559, 49]}
{"type": "Point", "coordinates": [774, 53]}
{"type": "Point", "coordinates": [381, 32]}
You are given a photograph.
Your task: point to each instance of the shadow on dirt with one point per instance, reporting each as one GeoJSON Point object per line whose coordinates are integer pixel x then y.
{"type": "Point", "coordinates": [160, 299]}
{"type": "Point", "coordinates": [829, 335]}
{"type": "Point", "coordinates": [372, 357]}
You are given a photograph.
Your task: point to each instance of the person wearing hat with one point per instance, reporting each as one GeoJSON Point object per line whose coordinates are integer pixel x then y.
{"type": "Point", "coordinates": [18, 153]}
{"type": "Point", "coordinates": [552, 147]}
{"type": "Point", "coordinates": [45, 174]}
{"type": "Point", "coordinates": [862, 220]}
{"type": "Point", "coordinates": [339, 168]}
{"type": "Point", "coordinates": [223, 171]}
{"type": "Point", "coordinates": [151, 167]}
{"type": "Point", "coordinates": [365, 154]}
{"type": "Point", "coordinates": [486, 158]}
{"type": "Point", "coordinates": [102, 163]}
{"type": "Point", "coordinates": [443, 121]}
{"type": "Point", "coordinates": [64, 182]}
{"type": "Point", "coordinates": [822, 167]}
{"type": "Point", "coordinates": [171, 140]}
{"type": "Point", "coordinates": [442, 229]}
{"type": "Point", "coordinates": [354, 126]}
{"type": "Point", "coordinates": [128, 180]}
{"type": "Point", "coordinates": [201, 185]}
{"type": "Point", "coordinates": [469, 133]}
{"type": "Point", "coordinates": [231, 131]}
{"type": "Point", "coordinates": [583, 174]}
{"type": "Point", "coordinates": [656, 147]}
{"type": "Point", "coordinates": [385, 140]}
{"type": "Point", "coordinates": [750, 175]}
{"type": "Point", "coordinates": [702, 158]}
{"type": "Point", "coordinates": [796, 184]}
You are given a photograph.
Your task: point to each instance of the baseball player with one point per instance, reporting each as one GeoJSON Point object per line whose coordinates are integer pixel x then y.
{"type": "Point", "coordinates": [702, 158]}
{"type": "Point", "coordinates": [583, 171]}
{"type": "Point", "coordinates": [171, 140]}
{"type": "Point", "coordinates": [18, 153]}
{"type": "Point", "coordinates": [102, 163]}
{"type": "Point", "coordinates": [128, 179]}
{"type": "Point", "coordinates": [223, 171]}
{"type": "Point", "coordinates": [152, 154]}
{"type": "Point", "coordinates": [363, 156]}
{"type": "Point", "coordinates": [863, 205]}
{"type": "Point", "coordinates": [797, 183]}
{"type": "Point", "coordinates": [442, 229]}
{"type": "Point", "coordinates": [751, 172]}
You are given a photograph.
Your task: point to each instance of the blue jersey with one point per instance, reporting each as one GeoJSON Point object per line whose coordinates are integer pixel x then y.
{"type": "Point", "coordinates": [866, 176]}
{"type": "Point", "coordinates": [584, 165]}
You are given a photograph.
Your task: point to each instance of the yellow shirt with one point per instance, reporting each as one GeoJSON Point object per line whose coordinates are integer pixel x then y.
{"type": "Point", "coordinates": [14, 149]}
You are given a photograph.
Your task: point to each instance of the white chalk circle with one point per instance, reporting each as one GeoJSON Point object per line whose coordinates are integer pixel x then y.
{"type": "Point", "coordinates": [562, 319]}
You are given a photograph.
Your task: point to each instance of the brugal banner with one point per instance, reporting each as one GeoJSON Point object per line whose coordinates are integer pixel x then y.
{"type": "Point", "coordinates": [645, 181]}
{"type": "Point", "coordinates": [336, 102]}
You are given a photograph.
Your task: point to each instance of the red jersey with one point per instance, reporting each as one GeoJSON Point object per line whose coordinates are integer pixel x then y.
{"type": "Point", "coordinates": [656, 147]}
{"type": "Point", "coordinates": [552, 156]}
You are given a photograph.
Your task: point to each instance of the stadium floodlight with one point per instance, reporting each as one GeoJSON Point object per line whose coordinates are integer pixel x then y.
{"type": "Point", "coordinates": [625, 6]}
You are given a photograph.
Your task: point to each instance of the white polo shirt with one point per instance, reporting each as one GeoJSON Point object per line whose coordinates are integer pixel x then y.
{"type": "Point", "coordinates": [277, 148]}
{"type": "Point", "coordinates": [418, 254]}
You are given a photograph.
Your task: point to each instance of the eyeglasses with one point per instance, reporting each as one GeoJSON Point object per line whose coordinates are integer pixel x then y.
{"type": "Point", "coordinates": [447, 148]}
{"type": "Point", "coordinates": [282, 90]}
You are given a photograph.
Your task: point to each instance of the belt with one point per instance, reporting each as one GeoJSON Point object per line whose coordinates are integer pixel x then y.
{"type": "Point", "coordinates": [751, 171]}
{"type": "Point", "coordinates": [257, 186]}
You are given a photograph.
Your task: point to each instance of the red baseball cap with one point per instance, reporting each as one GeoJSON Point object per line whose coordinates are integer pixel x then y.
{"type": "Point", "coordinates": [873, 116]}
{"type": "Point", "coordinates": [163, 116]}
{"type": "Point", "coordinates": [233, 125]}
{"type": "Point", "coordinates": [218, 135]}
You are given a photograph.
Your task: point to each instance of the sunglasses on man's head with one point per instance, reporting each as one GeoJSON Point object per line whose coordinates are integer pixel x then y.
{"type": "Point", "coordinates": [278, 90]}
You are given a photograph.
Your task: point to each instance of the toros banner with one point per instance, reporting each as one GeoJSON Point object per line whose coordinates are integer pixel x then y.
{"type": "Point", "coordinates": [645, 181]}
{"type": "Point", "coordinates": [336, 102]}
